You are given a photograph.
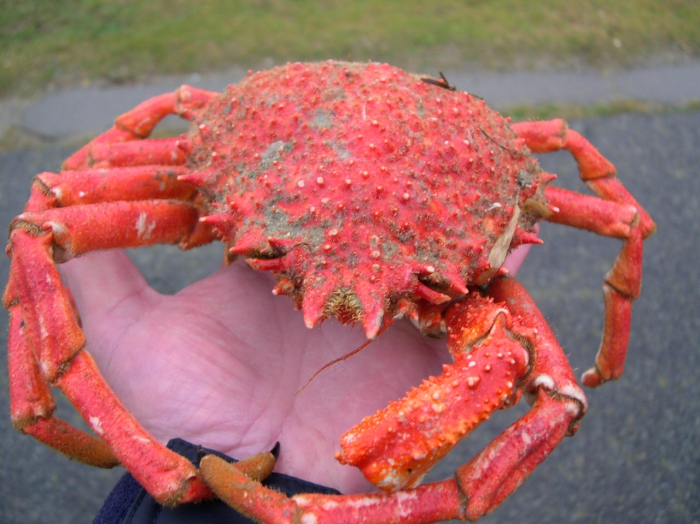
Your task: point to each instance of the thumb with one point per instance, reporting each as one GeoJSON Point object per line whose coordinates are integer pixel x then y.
{"type": "Point", "coordinates": [101, 280]}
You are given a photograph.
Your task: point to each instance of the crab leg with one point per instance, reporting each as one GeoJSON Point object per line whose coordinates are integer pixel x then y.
{"type": "Point", "coordinates": [139, 122]}
{"type": "Point", "coordinates": [480, 329]}
{"type": "Point", "coordinates": [603, 217]}
{"type": "Point", "coordinates": [617, 215]}
{"type": "Point", "coordinates": [93, 186]}
{"type": "Point", "coordinates": [558, 404]}
{"type": "Point", "coordinates": [595, 170]}
{"type": "Point", "coordinates": [71, 213]}
{"type": "Point", "coordinates": [621, 285]}
{"type": "Point", "coordinates": [32, 405]}
{"type": "Point", "coordinates": [154, 151]}
{"type": "Point", "coordinates": [50, 344]}
{"type": "Point", "coordinates": [425, 504]}
{"type": "Point", "coordinates": [115, 225]}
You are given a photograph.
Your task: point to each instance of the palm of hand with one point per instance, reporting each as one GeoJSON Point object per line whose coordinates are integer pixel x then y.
{"type": "Point", "coordinates": [221, 364]}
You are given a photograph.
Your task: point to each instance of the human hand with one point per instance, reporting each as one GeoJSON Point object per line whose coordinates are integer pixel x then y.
{"type": "Point", "coordinates": [221, 364]}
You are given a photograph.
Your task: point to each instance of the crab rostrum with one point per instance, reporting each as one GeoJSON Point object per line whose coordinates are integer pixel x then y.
{"type": "Point", "coordinates": [370, 194]}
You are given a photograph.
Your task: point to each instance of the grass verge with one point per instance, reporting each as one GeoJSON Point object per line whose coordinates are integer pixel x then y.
{"type": "Point", "coordinates": [44, 42]}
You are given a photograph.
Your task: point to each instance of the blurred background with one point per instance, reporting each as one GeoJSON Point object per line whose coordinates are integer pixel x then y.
{"type": "Point", "coordinates": [625, 73]}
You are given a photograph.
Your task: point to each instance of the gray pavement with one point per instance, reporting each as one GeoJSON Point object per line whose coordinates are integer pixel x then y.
{"type": "Point", "coordinates": [636, 457]}
{"type": "Point", "coordinates": [87, 110]}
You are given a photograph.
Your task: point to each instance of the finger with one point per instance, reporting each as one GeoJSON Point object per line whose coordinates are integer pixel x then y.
{"type": "Point", "coordinates": [99, 281]}
{"type": "Point", "coordinates": [515, 259]}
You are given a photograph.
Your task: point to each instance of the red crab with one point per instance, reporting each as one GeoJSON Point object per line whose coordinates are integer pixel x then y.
{"type": "Point", "coordinates": [370, 194]}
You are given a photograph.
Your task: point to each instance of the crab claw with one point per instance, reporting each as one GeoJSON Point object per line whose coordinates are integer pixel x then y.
{"type": "Point", "coordinates": [398, 445]}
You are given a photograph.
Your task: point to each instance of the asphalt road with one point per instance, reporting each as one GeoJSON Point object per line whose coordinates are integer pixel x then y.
{"type": "Point", "coordinates": [636, 457]}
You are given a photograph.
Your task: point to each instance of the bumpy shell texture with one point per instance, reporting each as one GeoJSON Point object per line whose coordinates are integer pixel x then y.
{"type": "Point", "coordinates": [364, 188]}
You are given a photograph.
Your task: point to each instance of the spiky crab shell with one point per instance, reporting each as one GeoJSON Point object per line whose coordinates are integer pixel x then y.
{"type": "Point", "coordinates": [362, 187]}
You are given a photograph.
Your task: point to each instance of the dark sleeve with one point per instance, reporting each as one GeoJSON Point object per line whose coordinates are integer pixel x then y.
{"type": "Point", "coordinates": [129, 503]}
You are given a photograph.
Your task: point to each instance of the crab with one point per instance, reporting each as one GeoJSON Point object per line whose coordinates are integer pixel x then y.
{"type": "Point", "coordinates": [370, 194]}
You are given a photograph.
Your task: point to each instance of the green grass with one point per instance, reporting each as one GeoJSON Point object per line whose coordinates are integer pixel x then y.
{"type": "Point", "coordinates": [66, 42]}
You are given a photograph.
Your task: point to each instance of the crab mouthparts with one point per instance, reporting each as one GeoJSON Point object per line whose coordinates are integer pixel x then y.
{"type": "Point", "coordinates": [371, 304]}
{"type": "Point", "coordinates": [347, 305]}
